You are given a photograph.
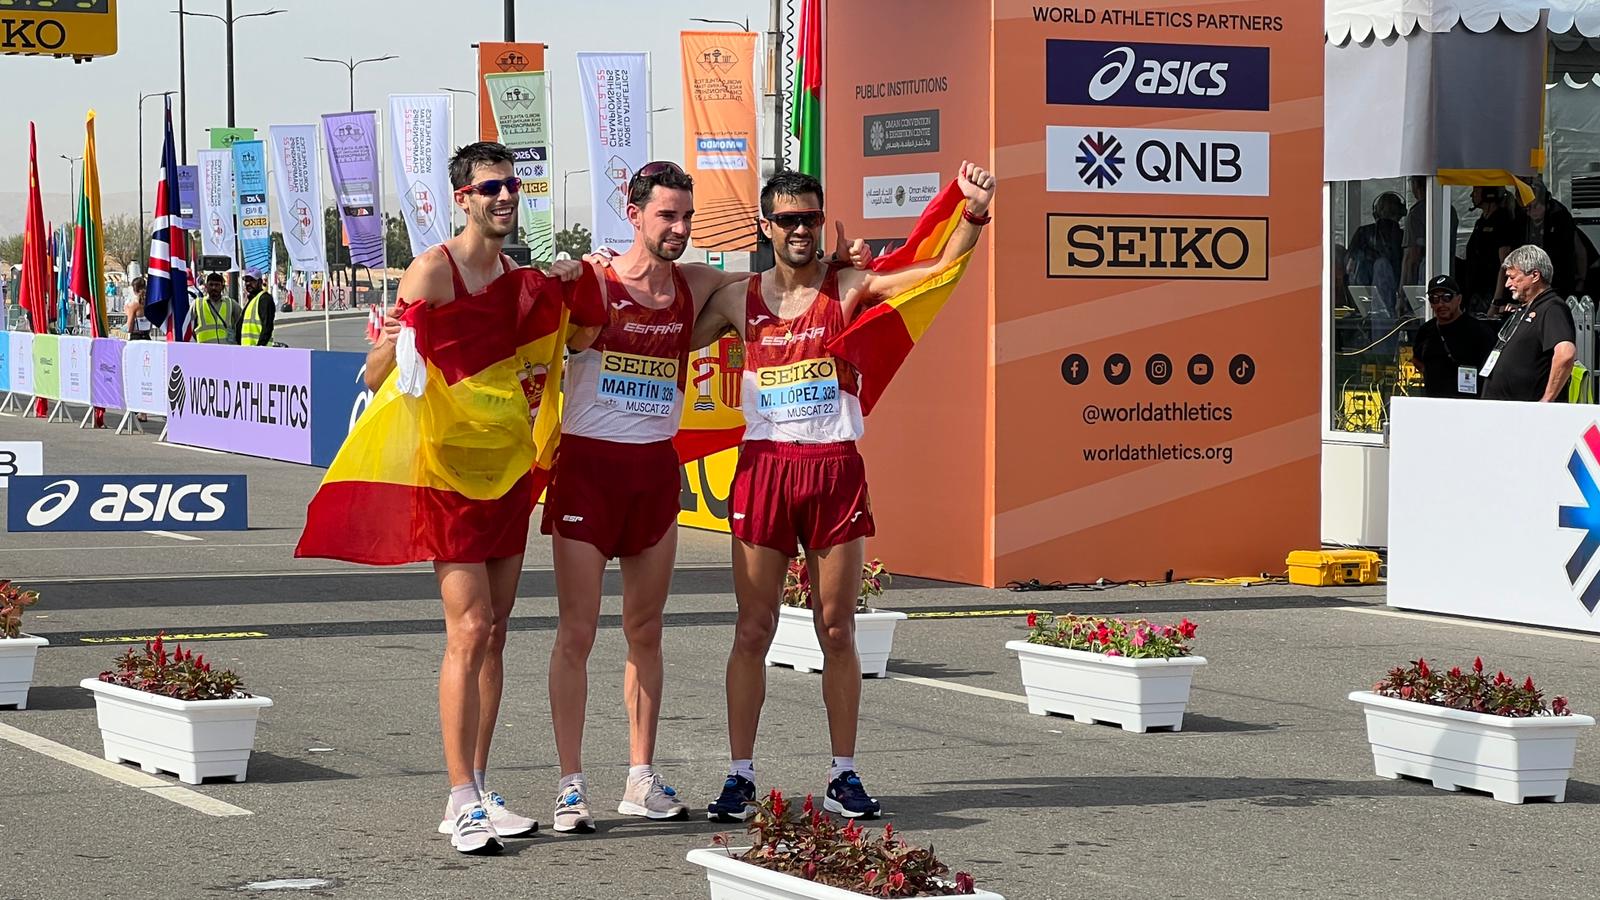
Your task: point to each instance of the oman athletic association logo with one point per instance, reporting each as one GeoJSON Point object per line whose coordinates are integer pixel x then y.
{"type": "Point", "coordinates": [1100, 159]}
{"type": "Point", "coordinates": [1585, 517]}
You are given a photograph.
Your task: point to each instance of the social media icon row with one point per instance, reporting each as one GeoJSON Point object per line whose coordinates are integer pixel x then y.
{"type": "Point", "coordinates": [1158, 369]}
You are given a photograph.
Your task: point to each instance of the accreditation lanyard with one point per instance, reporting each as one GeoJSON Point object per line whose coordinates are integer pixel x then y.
{"type": "Point", "coordinates": [1506, 334]}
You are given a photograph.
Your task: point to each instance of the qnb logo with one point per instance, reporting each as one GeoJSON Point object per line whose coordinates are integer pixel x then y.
{"type": "Point", "coordinates": [175, 391]}
{"type": "Point", "coordinates": [57, 499]}
{"type": "Point", "coordinates": [1585, 517]}
{"type": "Point", "coordinates": [1154, 77]}
{"type": "Point", "coordinates": [1100, 159]}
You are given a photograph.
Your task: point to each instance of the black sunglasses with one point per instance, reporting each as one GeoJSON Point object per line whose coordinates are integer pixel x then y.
{"type": "Point", "coordinates": [493, 187]}
{"type": "Point", "coordinates": [791, 220]}
{"type": "Point", "coordinates": [659, 167]}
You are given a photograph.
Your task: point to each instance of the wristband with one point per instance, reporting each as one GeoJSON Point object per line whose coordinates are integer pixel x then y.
{"type": "Point", "coordinates": [979, 221]}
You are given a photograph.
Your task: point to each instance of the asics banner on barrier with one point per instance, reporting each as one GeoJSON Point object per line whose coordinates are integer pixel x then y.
{"type": "Point", "coordinates": [127, 503]}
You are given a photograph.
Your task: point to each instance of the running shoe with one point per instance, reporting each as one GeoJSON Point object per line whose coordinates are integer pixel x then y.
{"type": "Point", "coordinates": [737, 803]}
{"type": "Point", "coordinates": [848, 798]}
{"type": "Point", "coordinates": [572, 811]}
{"type": "Point", "coordinates": [651, 798]}
{"type": "Point", "coordinates": [504, 822]}
{"type": "Point", "coordinates": [472, 832]}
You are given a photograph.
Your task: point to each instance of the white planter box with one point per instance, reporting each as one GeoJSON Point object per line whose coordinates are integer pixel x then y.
{"type": "Point", "coordinates": [1138, 694]}
{"type": "Point", "coordinates": [192, 739]}
{"type": "Point", "coordinates": [733, 879]}
{"type": "Point", "coordinates": [1513, 759]}
{"type": "Point", "coordinates": [17, 656]}
{"type": "Point", "coordinates": [795, 643]}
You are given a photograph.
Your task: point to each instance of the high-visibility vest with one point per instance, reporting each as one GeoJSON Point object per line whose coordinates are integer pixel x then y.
{"type": "Point", "coordinates": [211, 325]}
{"type": "Point", "coordinates": [250, 331]}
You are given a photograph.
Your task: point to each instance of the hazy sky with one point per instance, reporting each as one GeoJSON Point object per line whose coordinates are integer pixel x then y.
{"type": "Point", "coordinates": [275, 85]}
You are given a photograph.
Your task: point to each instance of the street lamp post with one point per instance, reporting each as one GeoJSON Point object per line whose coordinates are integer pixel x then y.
{"type": "Point", "coordinates": [565, 202]}
{"type": "Point", "coordinates": [142, 99]}
{"type": "Point", "coordinates": [352, 64]}
{"type": "Point", "coordinates": [72, 179]}
{"type": "Point", "coordinates": [228, 19]}
{"type": "Point", "coordinates": [745, 25]}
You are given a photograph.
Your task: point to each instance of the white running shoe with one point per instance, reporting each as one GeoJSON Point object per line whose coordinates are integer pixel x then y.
{"type": "Point", "coordinates": [472, 832]}
{"type": "Point", "coordinates": [572, 811]}
{"type": "Point", "coordinates": [651, 798]}
{"type": "Point", "coordinates": [505, 822]}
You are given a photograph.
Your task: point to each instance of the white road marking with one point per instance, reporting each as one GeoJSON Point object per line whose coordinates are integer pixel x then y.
{"type": "Point", "coordinates": [958, 688]}
{"type": "Point", "coordinates": [196, 576]}
{"type": "Point", "coordinates": [116, 772]}
{"type": "Point", "coordinates": [1470, 623]}
{"type": "Point", "coordinates": [187, 447]}
{"type": "Point", "coordinates": [175, 536]}
{"type": "Point", "coordinates": [146, 547]}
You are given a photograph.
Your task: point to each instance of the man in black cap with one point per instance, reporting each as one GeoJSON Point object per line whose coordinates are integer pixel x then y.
{"type": "Point", "coordinates": [1450, 347]}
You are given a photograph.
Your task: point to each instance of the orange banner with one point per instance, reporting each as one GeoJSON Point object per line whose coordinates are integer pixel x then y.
{"type": "Point", "coordinates": [502, 56]}
{"type": "Point", "coordinates": [719, 101]}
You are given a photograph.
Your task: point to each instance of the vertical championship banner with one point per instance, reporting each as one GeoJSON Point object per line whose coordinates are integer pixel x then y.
{"type": "Point", "coordinates": [420, 127]}
{"type": "Point", "coordinates": [1099, 399]}
{"type": "Point", "coordinates": [502, 56]}
{"type": "Point", "coordinates": [299, 183]}
{"type": "Point", "coordinates": [522, 115]}
{"type": "Point", "coordinates": [250, 180]}
{"type": "Point", "coordinates": [719, 99]}
{"type": "Point", "coordinates": [352, 142]}
{"type": "Point", "coordinates": [615, 92]}
{"type": "Point", "coordinates": [216, 205]}
{"type": "Point", "coordinates": [189, 197]}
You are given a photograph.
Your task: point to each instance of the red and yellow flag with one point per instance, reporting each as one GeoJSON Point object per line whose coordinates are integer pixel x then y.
{"type": "Point", "coordinates": [881, 336]}
{"type": "Point", "coordinates": [453, 475]}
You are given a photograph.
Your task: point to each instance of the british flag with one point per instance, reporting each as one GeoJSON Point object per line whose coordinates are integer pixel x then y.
{"type": "Point", "coordinates": [169, 262]}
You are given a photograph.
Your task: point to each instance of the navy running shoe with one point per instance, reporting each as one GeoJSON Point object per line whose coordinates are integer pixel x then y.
{"type": "Point", "coordinates": [737, 803]}
{"type": "Point", "coordinates": [848, 798]}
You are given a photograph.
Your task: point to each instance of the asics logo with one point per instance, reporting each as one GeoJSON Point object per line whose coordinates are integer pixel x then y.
{"type": "Point", "coordinates": [1182, 77]}
{"type": "Point", "coordinates": [58, 498]}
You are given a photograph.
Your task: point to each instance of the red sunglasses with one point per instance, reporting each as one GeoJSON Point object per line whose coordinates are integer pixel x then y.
{"type": "Point", "coordinates": [493, 187]}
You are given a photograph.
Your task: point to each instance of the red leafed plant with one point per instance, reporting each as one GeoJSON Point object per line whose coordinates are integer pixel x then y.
{"type": "Point", "coordinates": [180, 674]}
{"type": "Point", "coordinates": [13, 600]}
{"type": "Point", "coordinates": [808, 844]}
{"type": "Point", "coordinates": [1471, 690]}
{"type": "Point", "coordinates": [1137, 639]}
{"type": "Point", "coordinates": [797, 584]}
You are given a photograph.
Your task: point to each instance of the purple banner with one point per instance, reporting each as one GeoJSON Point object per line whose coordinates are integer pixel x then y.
{"type": "Point", "coordinates": [105, 375]}
{"type": "Point", "coordinates": [250, 400]}
{"type": "Point", "coordinates": [352, 140]}
{"type": "Point", "coordinates": [189, 197]}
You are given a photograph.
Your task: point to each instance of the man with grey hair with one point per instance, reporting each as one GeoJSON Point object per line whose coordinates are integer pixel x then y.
{"type": "Point", "coordinates": [1532, 360]}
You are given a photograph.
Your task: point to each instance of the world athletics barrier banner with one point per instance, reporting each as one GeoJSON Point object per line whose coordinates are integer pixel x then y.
{"type": "Point", "coordinates": [285, 404]}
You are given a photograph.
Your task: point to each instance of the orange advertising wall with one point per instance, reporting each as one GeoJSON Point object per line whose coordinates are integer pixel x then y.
{"type": "Point", "coordinates": [1127, 382]}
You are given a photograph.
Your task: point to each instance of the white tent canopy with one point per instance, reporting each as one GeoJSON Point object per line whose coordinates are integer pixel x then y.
{"type": "Point", "coordinates": [1361, 20]}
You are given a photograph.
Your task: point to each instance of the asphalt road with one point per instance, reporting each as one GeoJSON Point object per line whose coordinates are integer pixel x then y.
{"type": "Point", "coordinates": [1268, 791]}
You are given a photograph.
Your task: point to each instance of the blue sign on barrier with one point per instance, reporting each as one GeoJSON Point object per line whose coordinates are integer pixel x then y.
{"type": "Point", "coordinates": [338, 397]}
{"type": "Point", "coordinates": [5, 361]}
{"type": "Point", "coordinates": [127, 503]}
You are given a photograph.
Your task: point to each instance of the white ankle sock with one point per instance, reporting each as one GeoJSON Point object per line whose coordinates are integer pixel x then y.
{"type": "Point", "coordinates": [744, 767]}
{"type": "Point", "coordinates": [841, 765]}
{"type": "Point", "coordinates": [569, 780]}
{"type": "Point", "coordinates": [477, 779]}
{"type": "Point", "coordinates": [640, 773]}
{"type": "Point", "coordinates": [462, 796]}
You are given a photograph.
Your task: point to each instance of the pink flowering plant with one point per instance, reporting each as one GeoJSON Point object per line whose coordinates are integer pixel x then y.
{"type": "Point", "coordinates": [808, 844]}
{"type": "Point", "coordinates": [1137, 639]}
{"type": "Point", "coordinates": [180, 674]}
{"type": "Point", "coordinates": [797, 584]}
{"type": "Point", "coordinates": [1472, 690]}
{"type": "Point", "coordinates": [13, 600]}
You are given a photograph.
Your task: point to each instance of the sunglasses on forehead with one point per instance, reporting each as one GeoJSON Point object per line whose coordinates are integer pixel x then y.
{"type": "Point", "coordinates": [810, 218]}
{"type": "Point", "coordinates": [492, 187]}
{"type": "Point", "coordinates": [659, 167]}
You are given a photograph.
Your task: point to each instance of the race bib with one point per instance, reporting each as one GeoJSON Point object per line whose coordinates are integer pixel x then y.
{"type": "Point", "coordinates": [804, 390]}
{"type": "Point", "coordinates": [644, 385]}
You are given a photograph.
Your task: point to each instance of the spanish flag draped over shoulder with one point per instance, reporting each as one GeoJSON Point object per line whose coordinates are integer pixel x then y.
{"type": "Point", "coordinates": [882, 335]}
{"type": "Point", "coordinates": [448, 459]}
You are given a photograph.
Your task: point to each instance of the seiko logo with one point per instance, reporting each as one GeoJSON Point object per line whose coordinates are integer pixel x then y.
{"type": "Point", "coordinates": [1201, 79]}
{"type": "Point", "coordinates": [809, 370]}
{"type": "Point", "coordinates": [648, 366]}
{"type": "Point", "coordinates": [1165, 247]}
{"type": "Point", "coordinates": [784, 340]}
{"type": "Point", "coordinates": [153, 503]}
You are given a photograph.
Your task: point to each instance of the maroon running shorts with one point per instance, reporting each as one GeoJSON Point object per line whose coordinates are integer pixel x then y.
{"type": "Point", "coordinates": [622, 498]}
{"type": "Point", "coordinates": [811, 494]}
